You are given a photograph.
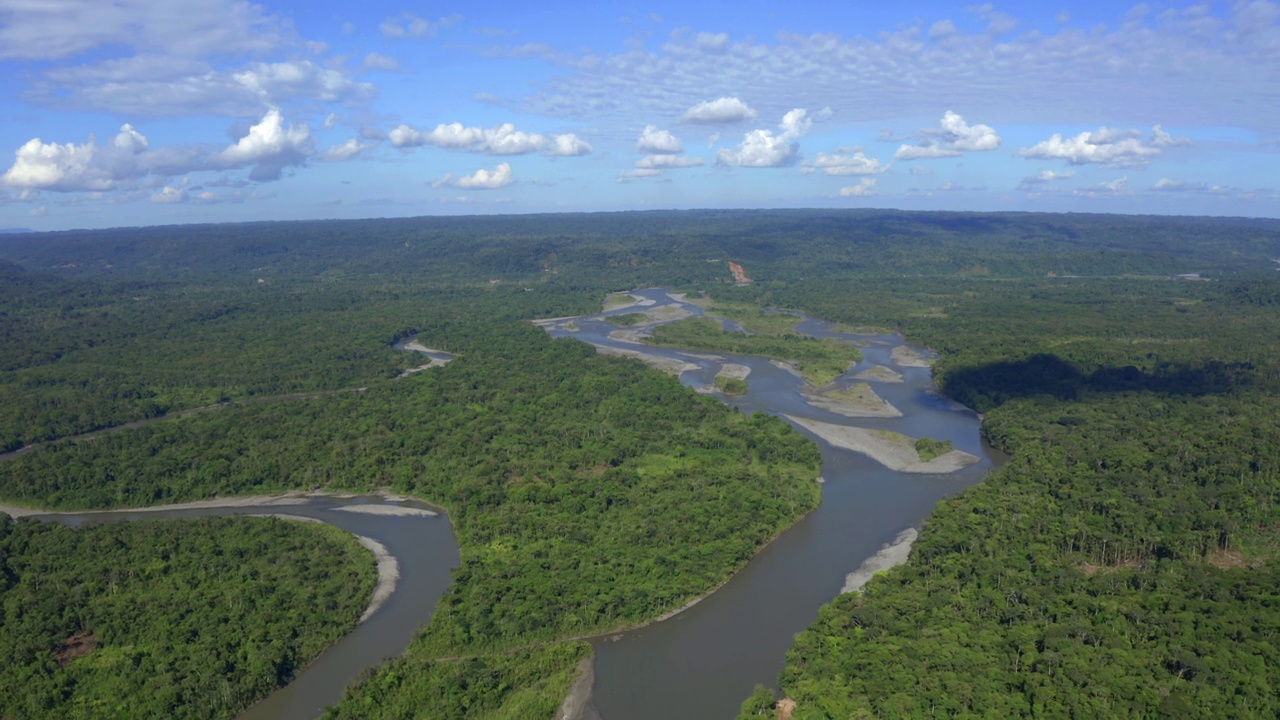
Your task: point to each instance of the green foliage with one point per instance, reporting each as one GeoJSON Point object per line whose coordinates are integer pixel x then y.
{"type": "Point", "coordinates": [527, 684]}
{"type": "Point", "coordinates": [928, 448]}
{"type": "Point", "coordinates": [759, 705]}
{"type": "Point", "coordinates": [1123, 563]}
{"type": "Point", "coordinates": [179, 619]}
{"type": "Point", "coordinates": [628, 319]}
{"type": "Point", "coordinates": [820, 361]}
{"type": "Point", "coordinates": [731, 385]}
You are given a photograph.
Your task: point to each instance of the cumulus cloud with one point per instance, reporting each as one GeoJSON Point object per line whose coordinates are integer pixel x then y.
{"type": "Point", "coordinates": [345, 151]}
{"type": "Point", "coordinates": [1168, 185]}
{"type": "Point", "coordinates": [170, 195]}
{"type": "Point", "coordinates": [951, 138]}
{"type": "Point", "coordinates": [568, 145]}
{"type": "Point", "coordinates": [1045, 176]}
{"type": "Point", "coordinates": [761, 148]}
{"type": "Point", "coordinates": [502, 139]}
{"type": "Point", "coordinates": [86, 167]}
{"type": "Point", "coordinates": [483, 179]}
{"type": "Point", "coordinates": [852, 163]}
{"type": "Point", "coordinates": [658, 142]}
{"type": "Point", "coordinates": [408, 25]}
{"type": "Point", "coordinates": [269, 147]}
{"type": "Point", "coordinates": [866, 187]}
{"type": "Point", "coordinates": [723, 110]}
{"type": "Point", "coordinates": [1112, 148]}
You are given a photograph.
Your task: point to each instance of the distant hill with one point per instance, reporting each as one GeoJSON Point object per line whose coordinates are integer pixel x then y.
{"type": "Point", "coordinates": [15, 231]}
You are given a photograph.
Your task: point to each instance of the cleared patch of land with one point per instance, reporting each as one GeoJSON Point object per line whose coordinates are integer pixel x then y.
{"type": "Point", "coordinates": [893, 450]}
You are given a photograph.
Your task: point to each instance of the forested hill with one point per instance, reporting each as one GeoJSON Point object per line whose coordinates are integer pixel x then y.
{"type": "Point", "coordinates": [661, 246]}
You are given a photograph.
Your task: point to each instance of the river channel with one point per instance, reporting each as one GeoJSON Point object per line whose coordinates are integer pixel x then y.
{"type": "Point", "coordinates": [703, 662]}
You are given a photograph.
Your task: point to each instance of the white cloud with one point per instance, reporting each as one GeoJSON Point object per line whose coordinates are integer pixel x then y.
{"type": "Point", "coordinates": [1113, 148]}
{"type": "Point", "coordinates": [70, 167]}
{"type": "Point", "coordinates": [378, 61]}
{"type": "Point", "coordinates": [638, 173]}
{"type": "Point", "coordinates": [668, 162]}
{"type": "Point", "coordinates": [655, 141]}
{"type": "Point", "coordinates": [57, 29]}
{"type": "Point", "coordinates": [568, 145]}
{"type": "Point", "coordinates": [1115, 187]}
{"type": "Point", "coordinates": [866, 187]}
{"type": "Point", "coordinates": [345, 151]}
{"type": "Point", "coordinates": [854, 163]}
{"type": "Point", "coordinates": [723, 110]}
{"type": "Point", "coordinates": [269, 147]}
{"type": "Point", "coordinates": [1184, 67]}
{"type": "Point", "coordinates": [502, 139]}
{"type": "Point", "coordinates": [165, 85]}
{"type": "Point", "coordinates": [170, 195]}
{"type": "Point", "coordinates": [483, 179]}
{"type": "Point", "coordinates": [951, 138]}
{"type": "Point", "coordinates": [761, 148]}
{"type": "Point", "coordinates": [408, 25]}
{"type": "Point", "coordinates": [1045, 176]}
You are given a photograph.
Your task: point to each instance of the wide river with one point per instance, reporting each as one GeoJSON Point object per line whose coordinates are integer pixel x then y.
{"type": "Point", "coordinates": [703, 662]}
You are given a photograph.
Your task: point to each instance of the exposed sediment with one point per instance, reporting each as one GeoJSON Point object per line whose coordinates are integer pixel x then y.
{"type": "Point", "coordinates": [894, 451]}
{"type": "Point", "coordinates": [889, 556]}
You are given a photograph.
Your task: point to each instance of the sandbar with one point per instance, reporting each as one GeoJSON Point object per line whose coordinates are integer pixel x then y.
{"type": "Point", "coordinates": [858, 400]}
{"type": "Point", "coordinates": [894, 451]}
{"type": "Point", "coordinates": [388, 575]}
{"type": "Point", "coordinates": [665, 364]}
{"type": "Point", "coordinates": [735, 371]}
{"type": "Point", "coordinates": [904, 356]}
{"type": "Point", "coordinates": [388, 510]}
{"type": "Point", "coordinates": [880, 373]}
{"type": "Point", "coordinates": [889, 556]}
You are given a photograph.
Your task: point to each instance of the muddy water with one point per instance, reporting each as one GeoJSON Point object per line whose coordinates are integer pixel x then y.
{"type": "Point", "coordinates": [704, 662]}
{"type": "Point", "coordinates": [425, 549]}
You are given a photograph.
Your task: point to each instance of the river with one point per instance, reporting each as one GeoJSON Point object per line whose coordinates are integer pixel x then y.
{"type": "Point", "coordinates": [703, 662]}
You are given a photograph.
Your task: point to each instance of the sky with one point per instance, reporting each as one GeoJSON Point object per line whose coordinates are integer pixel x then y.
{"type": "Point", "coordinates": [151, 112]}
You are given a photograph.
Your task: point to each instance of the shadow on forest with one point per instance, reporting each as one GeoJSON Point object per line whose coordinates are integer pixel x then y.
{"type": "Point", "coordinates": [989, 386]}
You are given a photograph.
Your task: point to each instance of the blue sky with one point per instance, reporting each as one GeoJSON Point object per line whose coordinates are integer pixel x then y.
{"type": "Point", "coordinates": [144, 112]}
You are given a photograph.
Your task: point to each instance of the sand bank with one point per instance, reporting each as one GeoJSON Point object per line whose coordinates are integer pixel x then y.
{"type": "Point", "coordinates": [388, 575]}
{"type": "Point", "coordinates": [889, 556]}
{"type": "Point", "coordinates": [665, 364]}
{"type": "Point", "coordinates": [879, 373]}
{"type": "Point", "coordinates": [618, 301]}
{"type": "Point", "coordinates": [577, 704]}
{"type": "Point", "coordinates": [904, 356]}
{"type": "Point", "coordinates": [389, 510]}
{"type": "Point", "coordinates": [858, 400]}
{"type": "Point", "coordinates": [894, 451]}
{"type": "Point", "coordinates": [735, 371]}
